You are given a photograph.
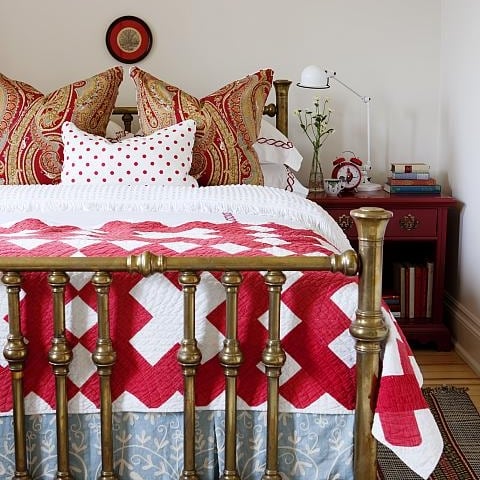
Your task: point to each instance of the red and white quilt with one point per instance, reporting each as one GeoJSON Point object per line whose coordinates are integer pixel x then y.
{"type": "Point", "coordinates": [146, 313]}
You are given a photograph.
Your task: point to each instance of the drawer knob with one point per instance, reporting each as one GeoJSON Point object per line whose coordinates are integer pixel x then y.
{"type": "Point", "coordinates": [408, 222]}
{"type": "Point", "coordinates": [345, 222]}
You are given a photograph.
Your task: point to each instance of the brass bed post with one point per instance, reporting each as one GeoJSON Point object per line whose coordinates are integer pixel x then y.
{"type": "Point", "coordinates": [369, 330]}
{"type": "Point", "coordinates": [189, 357]}
{"type": "Point", "coordinates": [60, 357]}
{"type": "Point", "coordinates": [231, 358]}
{"type": "Point", "coordinates": [15, 352]}
{"type": "Point", "coordinates": [279, 109]}
{"type": "Point", "coordinates": [104, 358]}
{"type": "Point", "coordinates": [273, 358]}
{"type": "Point", "coordinates": [281, 93]}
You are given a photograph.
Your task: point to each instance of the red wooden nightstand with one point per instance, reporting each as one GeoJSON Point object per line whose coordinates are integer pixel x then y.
{"type": "Point", "coordinates": [416, 233]}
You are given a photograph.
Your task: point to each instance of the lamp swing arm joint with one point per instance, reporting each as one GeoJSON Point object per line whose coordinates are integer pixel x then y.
{"type": "Point", "coordinates": [364, 98]}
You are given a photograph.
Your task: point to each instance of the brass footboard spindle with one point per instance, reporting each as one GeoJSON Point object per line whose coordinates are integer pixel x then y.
{"type": "Point", "coordinates": [104, 358]}
{"type": "Point", "coordinates": [189, 357]}
{"type": "Point", "coordinates": [15, 352]}
{"type": "Point", "coordinates": [273, 358]}
{"type": "Point", "coordinates": [231, 358]}
{"type": "Point", "coordinates": [60, 357]}
{"type": "Point", "coordinates": [369, 330]}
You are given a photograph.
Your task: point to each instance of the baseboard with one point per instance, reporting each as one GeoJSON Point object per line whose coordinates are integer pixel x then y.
{"type": "Point", "coordinates": [465, 328]}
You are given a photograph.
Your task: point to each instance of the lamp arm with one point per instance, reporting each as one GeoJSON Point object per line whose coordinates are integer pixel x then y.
{"type": "Point", "coordinates": [365, 100]}
{"type": "Point", "coordinates": [333, 75]}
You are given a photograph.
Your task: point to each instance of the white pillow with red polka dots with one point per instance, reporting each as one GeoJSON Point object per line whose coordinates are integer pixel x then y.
{"type": "Point", "coordinates": [162, 158]}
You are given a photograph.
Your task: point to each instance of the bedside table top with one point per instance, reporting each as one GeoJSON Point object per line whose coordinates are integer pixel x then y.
{"type": "Point", "coordinates": [381, 198]}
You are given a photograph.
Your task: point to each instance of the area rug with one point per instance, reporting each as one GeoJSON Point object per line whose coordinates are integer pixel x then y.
{"type": "Point", "coordinates": [459, 423]}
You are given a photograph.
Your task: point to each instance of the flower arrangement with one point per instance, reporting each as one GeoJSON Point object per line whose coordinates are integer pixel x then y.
{"type": "Point", "coordinates": [315, 125]}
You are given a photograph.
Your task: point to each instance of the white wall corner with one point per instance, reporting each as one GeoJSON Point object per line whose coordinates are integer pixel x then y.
{"type": "Point", "coordinates": [465, 328]}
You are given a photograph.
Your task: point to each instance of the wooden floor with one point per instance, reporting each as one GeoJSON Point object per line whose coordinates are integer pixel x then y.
{"type": "Point", "coordinates": [448, 368]}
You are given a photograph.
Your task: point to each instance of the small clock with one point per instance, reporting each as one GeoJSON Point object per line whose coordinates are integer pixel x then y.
{"type": "Point", "coordinates": [350, 170]}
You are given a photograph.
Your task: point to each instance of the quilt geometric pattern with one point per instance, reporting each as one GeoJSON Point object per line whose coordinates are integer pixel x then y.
{"type": "Point", "coordinates": [138, 318]}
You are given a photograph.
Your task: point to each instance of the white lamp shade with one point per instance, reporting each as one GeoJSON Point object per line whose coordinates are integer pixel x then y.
{"type": "Point", "coordinates": [313, 77]}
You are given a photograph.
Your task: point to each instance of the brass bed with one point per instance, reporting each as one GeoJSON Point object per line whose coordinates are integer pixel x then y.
{"type": "Point", "coordinates": [368, 329]}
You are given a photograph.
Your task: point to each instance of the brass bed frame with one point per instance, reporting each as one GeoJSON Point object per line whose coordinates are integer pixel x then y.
{"type": "Point", "coordinates": [368, 329]}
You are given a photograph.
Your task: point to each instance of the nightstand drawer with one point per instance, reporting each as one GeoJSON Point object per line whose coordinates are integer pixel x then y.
{"type": "Point", "coordinates": [405, 222]}
{"type": "Point", "coordinates": [413, 223]}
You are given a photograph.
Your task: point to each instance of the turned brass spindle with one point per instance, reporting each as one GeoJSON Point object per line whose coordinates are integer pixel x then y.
{"type": "Point", "coordinates": [60, 357]}
{"type": "Point", "coordinates": [15, 352]}
{"type": "Point", "coordinates": [104, 358]}
{"type": "Point", "coordinates": [231, 358]}
{"type": "Point", "coordinates": [369, 330]}
{"type": "Point", "coordinates": [189, 357]}
{"type": "Point", "coordinates": [273, 358]}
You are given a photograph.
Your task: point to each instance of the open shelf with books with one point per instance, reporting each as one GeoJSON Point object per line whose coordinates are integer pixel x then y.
{"type": "Point", "coordinates": [408, 282]}
{"type": "Point", "coordinates": [415, 241]}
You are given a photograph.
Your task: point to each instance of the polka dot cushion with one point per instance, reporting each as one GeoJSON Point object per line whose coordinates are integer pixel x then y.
{"type": "Point", "coordinates": [162, 158]}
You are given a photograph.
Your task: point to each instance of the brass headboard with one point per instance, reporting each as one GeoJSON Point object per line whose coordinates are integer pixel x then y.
{"type": "Point", "coordinates": [279, 109]}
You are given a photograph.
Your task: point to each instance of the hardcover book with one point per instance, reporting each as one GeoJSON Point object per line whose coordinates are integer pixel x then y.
{"type": "Point", "coordinates": [430, 271]}
{"type": "Point", "coordinates": [409, 167]}
{"type": "Point", "coordinates": [412, 292]}
{"type": "Point", "coordinates": [421, 290]}
{"type": "Point", "coordinates": [412, 189]}
{"type": "Point", "coordinates": [410, 176]}
{"type": "Point", "coordinates": [396, 181]}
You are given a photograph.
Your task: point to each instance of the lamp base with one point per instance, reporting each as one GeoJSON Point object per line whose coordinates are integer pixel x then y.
{"type": "Point", "coordinates": [367, 186]}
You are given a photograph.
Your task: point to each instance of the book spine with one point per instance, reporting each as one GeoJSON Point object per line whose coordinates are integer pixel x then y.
{"type": "Point", "coordinates": [429, 295]}
{"type": "Point", "coordinates": [411, 291]}
{"type": "Point", "coordinates": [403, 293]}
{"type": "Point", "coordinates": [410, 167]}
{"type": "Point", "coordinates": [421, 290]}
{"type": "Point", "coordinates": [410, 176]}
{"type": "Point", "coordinates": [396, 181]}
{"type": "Point", "coordinates": [412, 188]}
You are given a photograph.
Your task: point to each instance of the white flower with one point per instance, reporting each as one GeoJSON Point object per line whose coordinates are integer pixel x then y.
{"type": "Point", "coordinates": [315, 122]}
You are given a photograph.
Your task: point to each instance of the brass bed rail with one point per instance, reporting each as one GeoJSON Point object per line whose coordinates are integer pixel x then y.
{"type": "Point", "coordinates": [368, 329]}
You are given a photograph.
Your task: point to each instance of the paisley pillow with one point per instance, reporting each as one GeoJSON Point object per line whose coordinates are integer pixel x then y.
{"type": "Point", "coordinates": [228, 123]}
{"type": "Point", "coordinates": [31, 149]}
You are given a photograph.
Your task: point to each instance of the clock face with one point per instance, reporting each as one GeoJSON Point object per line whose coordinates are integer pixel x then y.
{"type": "Point", "coordinates": [350, 172]}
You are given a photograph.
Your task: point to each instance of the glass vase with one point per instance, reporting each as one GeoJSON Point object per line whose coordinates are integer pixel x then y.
{"type": "Point", "coordinates": [315, 181]}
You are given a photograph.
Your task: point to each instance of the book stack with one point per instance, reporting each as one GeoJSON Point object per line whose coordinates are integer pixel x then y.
{"type": "Point", "coordinates": [413, 290]}
{"type": "Point", "coordinates": [413, 178]}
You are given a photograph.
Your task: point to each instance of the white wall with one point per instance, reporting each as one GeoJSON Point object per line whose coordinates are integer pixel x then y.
{"type": "Point", "coordinates": [388, 50]}
{"type": "Point", "coordinates": [460, 158]}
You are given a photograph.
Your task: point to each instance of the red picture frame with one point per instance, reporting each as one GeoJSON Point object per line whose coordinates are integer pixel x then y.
{"type": "Point", "coordinates": [128, 39]}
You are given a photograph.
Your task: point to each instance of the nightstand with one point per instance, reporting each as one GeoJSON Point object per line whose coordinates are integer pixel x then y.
{"type": "Point", "coordinates": [415, 237]}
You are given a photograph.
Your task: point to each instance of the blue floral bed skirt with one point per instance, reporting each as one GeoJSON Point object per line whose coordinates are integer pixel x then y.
{"type": "Point", "coordinates": [150, 446]}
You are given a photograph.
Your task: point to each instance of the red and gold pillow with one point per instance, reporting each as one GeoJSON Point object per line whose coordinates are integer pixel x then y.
{"type": "Point", "coordinates": [31, 148]}
{"type": "Point", "coordinates": [228, 124]}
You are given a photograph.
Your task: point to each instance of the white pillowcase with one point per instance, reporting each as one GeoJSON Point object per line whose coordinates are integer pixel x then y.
{"type": "Point", "coordinates": [273, 146]}
{"type": "Point", "coordinates": [162, 158]}
{"type": "Point", "coordinates": [115, 131]}
{"type": "Point", "coordinates": [281, 176]}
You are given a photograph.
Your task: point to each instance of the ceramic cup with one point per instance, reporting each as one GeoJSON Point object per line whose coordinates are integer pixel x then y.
{"type": "Point", "coordinates": [333, 186]}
